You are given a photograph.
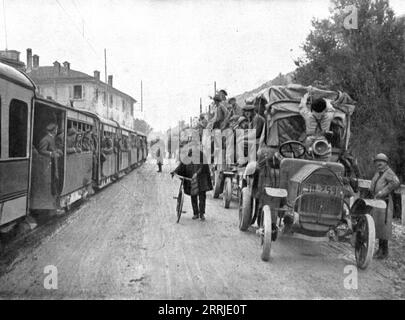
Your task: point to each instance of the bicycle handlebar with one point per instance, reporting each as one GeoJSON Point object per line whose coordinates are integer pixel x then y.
{"type": "Point", "coordinates": [181, 177]}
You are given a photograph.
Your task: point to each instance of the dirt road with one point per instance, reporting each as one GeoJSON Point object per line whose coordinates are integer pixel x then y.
{"type": "Point", "coordinates": [124, 243]}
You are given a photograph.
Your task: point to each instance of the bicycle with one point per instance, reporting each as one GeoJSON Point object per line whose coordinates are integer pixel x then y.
{"type": "Point", "coordinates": [180, 197]}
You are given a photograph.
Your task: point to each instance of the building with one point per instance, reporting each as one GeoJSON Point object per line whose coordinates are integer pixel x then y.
{"type": "Point", "coordinates": [80, 90]}
{"type": "Point", "coordinates": [12, 58]}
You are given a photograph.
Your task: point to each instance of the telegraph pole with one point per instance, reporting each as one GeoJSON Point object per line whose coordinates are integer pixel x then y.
{"type": "Point", "coordinates": [105, 81]}
{"type": "Point", "coordinates": [215, 88]}
{"type": "Point", "coordinates": [141, 96]}
{"type": "Point", "coordinates": [200, 106]}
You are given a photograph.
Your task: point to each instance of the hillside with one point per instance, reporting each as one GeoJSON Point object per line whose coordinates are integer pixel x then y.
{"type": "Point", "coordinates": [279, 80]}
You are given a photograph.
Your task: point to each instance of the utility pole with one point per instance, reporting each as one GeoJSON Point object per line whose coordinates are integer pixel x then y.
{"type": "Point", "coordinates": [106, 81]}
{"type": "Point", "coordinates": [200, 106]}
{"type": "Point", "coordinates": [141, 97]}
{"type": "Point", "coordinates": [215, 88]}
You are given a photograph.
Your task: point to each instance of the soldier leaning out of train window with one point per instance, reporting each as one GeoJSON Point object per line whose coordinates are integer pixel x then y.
{"type": "Point", "coordinates": [47, 145]}
{"type": "Point", "coordinates": [78, 141]}
{"type": "Point", "coordinates": [71, 141]}
{"type": "Point", "coordinates": [107, 145]}
{"type": "Point", "coordinates": [87, 142]}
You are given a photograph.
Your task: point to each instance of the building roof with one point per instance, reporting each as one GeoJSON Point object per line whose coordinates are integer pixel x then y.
{"type": "Point", "coordinates": [46, 74]}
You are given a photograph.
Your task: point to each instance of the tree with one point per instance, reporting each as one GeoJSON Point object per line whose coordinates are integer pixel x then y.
{"type": "Point", "coordinates": [142, 126]}
{"type": "Point", "coordinates": [369, 64]}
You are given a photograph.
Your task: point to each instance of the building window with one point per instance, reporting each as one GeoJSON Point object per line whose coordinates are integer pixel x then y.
{"type": "Point", "coordinates": [111, 101]}
{"type": "Point", "coordinates": [78, 92]}
{"type": "Point", "coordinates": [96, 95]}
{"type": "Point", "coordinates": [104, 97]}
{"type": "Point", "coordinates": [123, 105]}
{"type": "Point", "coordinates": [17, 129]}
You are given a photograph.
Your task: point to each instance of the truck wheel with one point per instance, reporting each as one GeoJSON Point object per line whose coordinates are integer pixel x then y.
{"type": "Point", "coordinates": [227, 195]}
{"type": "Point", "coordinates": [245, 209]}
{"type": "Point", "coordinates": [365, 241]}
{"type": "Point", "coordinates": [266, 235]}
{"type": "Point", "coordinates": [217, 184]}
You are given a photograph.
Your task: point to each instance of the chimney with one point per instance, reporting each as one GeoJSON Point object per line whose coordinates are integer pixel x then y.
{"type": "Point", "coordinates": [110, 80]}
{"type": "Point", "coordinates": [97, 75]}
{"type": "Point", "coordinates": [56, 68]}
{"type": "Point", "coordinates": [66, 67]}
{"type": "Point", "coordinates": [35, 62]}
{"type": "Point", "coordinates": [29, 60]}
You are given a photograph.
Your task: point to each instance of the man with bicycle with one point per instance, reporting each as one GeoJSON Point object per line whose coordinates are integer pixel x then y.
{"type": "Point", "coordinates": [195, 167]}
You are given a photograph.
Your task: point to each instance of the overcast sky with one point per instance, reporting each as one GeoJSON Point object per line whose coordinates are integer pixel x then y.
{"type": "Point", "coordinates": [178, 48]}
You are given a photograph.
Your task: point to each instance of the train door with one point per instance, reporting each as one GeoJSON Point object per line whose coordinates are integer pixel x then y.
{"type": "Point", "coordinates": [15, 141]}
{"type": "Point", "coordinates": [48, 155]}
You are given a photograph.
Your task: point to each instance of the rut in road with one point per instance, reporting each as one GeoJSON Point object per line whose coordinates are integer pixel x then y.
{"type": "Point", "coordinates": [125, 243]}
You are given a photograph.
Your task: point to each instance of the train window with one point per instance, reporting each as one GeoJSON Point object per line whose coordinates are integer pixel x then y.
{"type": "Point", "coordinates": [17, 130]}
{"type": "Point", "coordinates": [78, 92]}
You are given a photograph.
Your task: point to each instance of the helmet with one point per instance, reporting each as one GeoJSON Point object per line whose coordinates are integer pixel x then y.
{"type": "Point", "coordinates": [381, 157]}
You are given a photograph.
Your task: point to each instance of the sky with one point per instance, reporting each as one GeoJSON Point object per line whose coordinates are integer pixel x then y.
{"type": "Point", "coordinates": [178, 48]}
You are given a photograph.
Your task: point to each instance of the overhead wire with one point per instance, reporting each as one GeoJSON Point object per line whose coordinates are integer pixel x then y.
{"type": "Point", "coordinates": [77, 28]}
{"type": "Point", "coordinates": [5, 23]}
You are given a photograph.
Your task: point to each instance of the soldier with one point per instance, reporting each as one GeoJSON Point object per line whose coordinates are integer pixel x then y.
{"type": "Point", "coordinates": [71, 141]}
{"type": "Point", "coordinates": [78, 142]}
{"type": "Point", "coordinates": [318, 117]}
{"type": "Point", "coordinates": [255, 121]}
{"type": "Point", "coordinates": [234, 108]}
{"type": "Point", "coordinates": [47, 145]}
{"type": "Point", "coordinates": [223, 94]}
{"type": "Point", "coordinates": [219, 112]}
{"type": "Point", "coordinates": [107, 145]}
{"type": "Point", "coordinates": [159, 157]}
{"type": "Point", "coordinates": [87, 142]}
{"type": "Point", "coordinates": [234, 112]}
{"type": "Point", "coordinates": [382, 185]}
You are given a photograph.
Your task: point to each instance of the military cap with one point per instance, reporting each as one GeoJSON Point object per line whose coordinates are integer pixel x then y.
{"type": "Point", "coordinates": [223, 91]}
{"type": "Point", "coordinates": [217, 98]}
{"type": "Point", "coordinates": [248, 107]}
{"type": "Point", "coordinates": [381, 157]}
{"type": "Point", "coordinates": [51, 126]}
{"type": "Point", "coordinates": [71, 131]}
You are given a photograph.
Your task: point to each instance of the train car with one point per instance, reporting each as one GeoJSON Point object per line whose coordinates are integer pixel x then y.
{"type": "Point", "coordinates": [58, 182]}
{"type": "Point", "coordinates": [17, 92]}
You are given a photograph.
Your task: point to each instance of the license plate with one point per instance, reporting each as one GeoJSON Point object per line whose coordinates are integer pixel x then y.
{"type": "Point", "coordinates": [332, 190]}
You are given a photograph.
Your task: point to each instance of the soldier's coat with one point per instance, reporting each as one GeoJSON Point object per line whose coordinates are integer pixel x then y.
{"type": "Point", "coordinates": [382, 185]}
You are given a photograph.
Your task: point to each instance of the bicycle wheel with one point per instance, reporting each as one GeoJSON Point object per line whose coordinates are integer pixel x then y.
{"type": "Point", "coordinates": [180, 200]}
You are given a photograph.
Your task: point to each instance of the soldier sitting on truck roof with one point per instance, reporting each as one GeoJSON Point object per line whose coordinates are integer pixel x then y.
{"type": "Point", "coordinates": [318, 117]}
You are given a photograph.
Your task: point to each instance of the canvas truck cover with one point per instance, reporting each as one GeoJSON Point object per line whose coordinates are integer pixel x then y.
{"type": "Point", "coordinates": [283, 102]}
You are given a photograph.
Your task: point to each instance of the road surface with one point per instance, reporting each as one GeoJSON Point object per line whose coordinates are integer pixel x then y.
{"type": "Point", "coordinates": [124, 243]}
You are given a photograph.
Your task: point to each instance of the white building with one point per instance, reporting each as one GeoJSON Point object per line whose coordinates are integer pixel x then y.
{"type": "Point", "coordinates": [80, 90]}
